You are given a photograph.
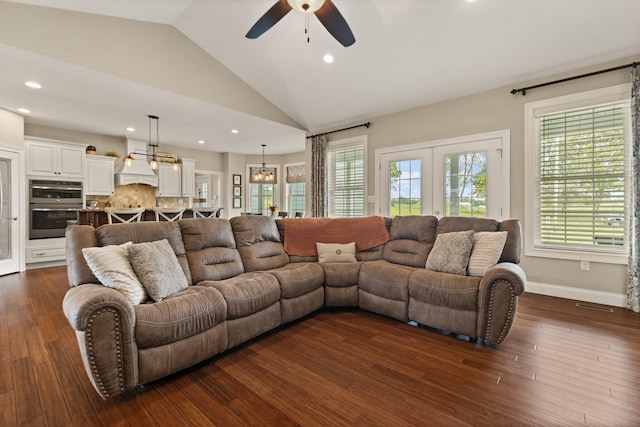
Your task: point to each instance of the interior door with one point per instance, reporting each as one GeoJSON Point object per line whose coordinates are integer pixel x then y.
{"type": "Point", "coordinates": [9, 210]}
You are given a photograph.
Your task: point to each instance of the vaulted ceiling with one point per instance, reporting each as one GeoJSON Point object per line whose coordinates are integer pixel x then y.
{"type": "Point", "coordinates": [273, 89]}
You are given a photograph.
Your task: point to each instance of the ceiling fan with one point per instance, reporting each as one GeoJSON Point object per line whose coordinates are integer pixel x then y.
{"type": "Point", "coordinates": [325, 11]}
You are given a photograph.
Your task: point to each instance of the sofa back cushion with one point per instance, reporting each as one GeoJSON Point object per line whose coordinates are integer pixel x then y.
{"type": "Point", "coordinates": [412, 238]}
{"type": "Point", "coordinates": [147, 231]}
{"type": "Point", "coordinates": [511, 251]}
{"type": "Point", "coordinates": [211, 249]}
{"type": "Point", "coordinates": [258, 242]}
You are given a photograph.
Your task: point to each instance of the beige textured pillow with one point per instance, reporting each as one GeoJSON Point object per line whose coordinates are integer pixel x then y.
{"type": "Point", "coordinates": [450, 252]}
{"type": "Point", "coordinates": [110, 265]}
{"type": "Point", "coordinates": [487, 248]}
{"type": "Point", "coordinates": [157, 268]}
{"type": "Point", "coordinates": [336, 252]}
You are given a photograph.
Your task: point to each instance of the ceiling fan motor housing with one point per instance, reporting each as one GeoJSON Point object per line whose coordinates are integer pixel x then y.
{"type": "Point", "coordinates": [306, 6]}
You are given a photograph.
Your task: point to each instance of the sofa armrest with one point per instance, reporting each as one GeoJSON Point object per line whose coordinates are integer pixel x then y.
{"type": "Point", "coordinates": [104, 321]}
{"type": "Point", "coordinates": [500, 287]}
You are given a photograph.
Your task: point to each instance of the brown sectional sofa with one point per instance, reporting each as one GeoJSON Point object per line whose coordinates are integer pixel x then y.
{"type": "Point", "coordinates": [242, 284]}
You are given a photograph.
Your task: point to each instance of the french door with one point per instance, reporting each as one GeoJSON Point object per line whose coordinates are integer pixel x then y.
{"type": "Point", "coordinates": [9, 211]}
{"type": "Point", "coordinates": [461, 177]}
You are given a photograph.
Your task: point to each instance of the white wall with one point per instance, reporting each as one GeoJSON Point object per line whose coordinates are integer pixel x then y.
{"type": "Point", "coordinates": [491, 111]}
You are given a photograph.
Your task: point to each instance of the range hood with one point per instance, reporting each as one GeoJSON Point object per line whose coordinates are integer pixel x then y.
{"type": "Point", "coordinates": [139, 172]}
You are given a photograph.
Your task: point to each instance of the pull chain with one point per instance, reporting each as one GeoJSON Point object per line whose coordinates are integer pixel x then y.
{"type": "Point", "coordinates": [306, 25]}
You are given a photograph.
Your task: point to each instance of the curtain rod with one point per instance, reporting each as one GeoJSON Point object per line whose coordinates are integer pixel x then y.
{"type": "Point", "coordinates": [340, 130]}
{"type": "Point", "coordinates": [595, 73]}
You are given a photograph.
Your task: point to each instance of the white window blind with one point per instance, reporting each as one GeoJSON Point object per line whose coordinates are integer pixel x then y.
{"type": "Point", "coordinates": [346, 181]}
{"type": "Point", "coordinates": [581, 182]}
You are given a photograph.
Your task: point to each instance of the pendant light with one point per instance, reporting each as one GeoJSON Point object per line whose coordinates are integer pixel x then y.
{"type": "Point", "coordinates": [263, 175]}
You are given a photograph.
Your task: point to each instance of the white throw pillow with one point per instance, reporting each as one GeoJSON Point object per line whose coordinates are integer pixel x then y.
{"type": "Point", "coordinates": [450, 252]}
{"type": "Point", "coordinates": [110, 265]}
{"type": "Point", "coordinates": [487, 249]}
{"type": "Point", "coordinates": [157, 268]}
{"type": "Point", "coordinates": [336, 252]}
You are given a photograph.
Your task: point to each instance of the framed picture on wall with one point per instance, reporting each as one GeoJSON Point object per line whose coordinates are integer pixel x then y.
{"type": "Point", "coordinates": [237, 191]}
{"type": "Point", "coordinates": [237, 179]}
{"type": "Point", "coordinates": [237, 202]}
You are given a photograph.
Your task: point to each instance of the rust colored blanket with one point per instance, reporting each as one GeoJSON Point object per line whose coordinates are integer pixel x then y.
{"type": "Point", "coordinates": [301, 234]}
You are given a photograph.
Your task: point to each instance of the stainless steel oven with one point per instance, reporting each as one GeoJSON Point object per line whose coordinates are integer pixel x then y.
{"type": "Point", "coordinates": [52, 206]}
{"type": "Point", "coordinates": [55, 192]}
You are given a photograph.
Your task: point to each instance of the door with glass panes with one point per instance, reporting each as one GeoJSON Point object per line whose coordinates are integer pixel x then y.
{"type": "Point", "coordinates": [461, 179]}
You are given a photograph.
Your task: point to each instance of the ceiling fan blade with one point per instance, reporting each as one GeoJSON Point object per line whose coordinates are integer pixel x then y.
{"type": "Point", "coordinates": [269, 19]}
{"type": "Point", "coordinates": [335, 23]}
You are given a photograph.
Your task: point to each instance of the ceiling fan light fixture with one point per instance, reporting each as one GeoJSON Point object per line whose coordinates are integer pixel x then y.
{"type": "Point", "coordinates": [306, 6]}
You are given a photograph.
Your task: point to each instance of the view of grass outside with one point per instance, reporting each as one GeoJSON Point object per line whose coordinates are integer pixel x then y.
{"type": "Point", "coordinates": [405, 188]}
{"type": "Point", "coordinates": [466, 184]}
{"type": "Point", "coordinates": [582, 178]}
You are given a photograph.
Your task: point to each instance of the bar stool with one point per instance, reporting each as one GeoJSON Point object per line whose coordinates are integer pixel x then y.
{"type": "Point", "coordinates": [206, 212]}
{"type": "Point", "coordinates": [124, 215]}
{"type": "Point", "coordinates": [299, 214]}
{"type": "Point", "coordinates": [168, 214]}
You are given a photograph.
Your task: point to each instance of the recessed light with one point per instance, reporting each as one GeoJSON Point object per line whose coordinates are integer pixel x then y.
{"type": "Point", "coordinates": [33, 85]}
{"type": "Point", "coordinates": [328, 58]}
{"type": "Point", "coordinates": [131, 129]}
{"type": "Point", "coordinates": [200, 142]}
{"type": "Point", "coordinates": [235, 131]}
{"type": "Point", "coordinates": [24, 110]}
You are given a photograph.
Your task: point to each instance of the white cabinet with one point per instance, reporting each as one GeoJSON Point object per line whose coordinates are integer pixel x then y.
{"type": "Point", "coordinates": [100, 175]}
{"type": "Point", "coordinates": [177, 183]}
{"type": "Point", "coordinates": [55, 159]}
{"type": "Point", "coordinates": [45, 250]}
{"type": "Point", "coordinates": [188, 177]}
{"type": "Point", "coordinates": [169, 181]}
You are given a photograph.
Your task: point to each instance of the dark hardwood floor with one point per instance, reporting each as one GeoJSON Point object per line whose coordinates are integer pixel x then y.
{"type": "Point", "coordinates": [562, 365]}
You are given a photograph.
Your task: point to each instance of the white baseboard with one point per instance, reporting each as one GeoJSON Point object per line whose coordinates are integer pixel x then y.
{"type": "Point", "coordinates": [598, 297]}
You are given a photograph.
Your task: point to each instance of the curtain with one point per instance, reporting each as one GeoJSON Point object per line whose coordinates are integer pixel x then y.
{"type": "Point", "coordinates": [296, 174]}
{"type": "Point", "coordinates": [633, 291]}
{"type": "Point", "coordinates": [319, 175]}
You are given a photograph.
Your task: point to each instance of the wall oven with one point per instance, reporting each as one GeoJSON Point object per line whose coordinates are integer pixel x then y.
{"type": "Point", "coordinates": [52, 206]}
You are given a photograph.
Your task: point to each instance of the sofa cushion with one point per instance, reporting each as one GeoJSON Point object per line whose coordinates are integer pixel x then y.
{"type": "Point", "coordinates": [194, 310]}
{"type": "Point", "coordinates": [385, 279]}
{"type": "Point", "coordinates": [247, 293]}
{"type": "Point", "coordinates": [411, 241]}
{"type": "Point", "coordinates": [445, 290]}
{"type": "Point", "coordinates": [336, 252]}
{"type": "Point", "coordinates": [211, 249]}
{"type": "Point", "coordinates": [299, 278]}
{"type": "Point", "coordinates": [487, 248]}
{"type": "Point", "coordinates": [157, 268]}
{"type": "Point", "coordinates": [258, 242]}
{"type": "Point", "coordinates": [450, 253]}
{"type": "Point", "coordinates": [110, 264]}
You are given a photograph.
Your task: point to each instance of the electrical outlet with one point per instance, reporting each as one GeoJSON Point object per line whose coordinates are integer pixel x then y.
{"type": "Point", "coordinates": [584, 265]}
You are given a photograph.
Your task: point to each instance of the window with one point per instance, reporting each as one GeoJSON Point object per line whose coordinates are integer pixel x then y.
{"type": "Point", "coordinates": [580, 145]}
{"type": "Point", "coordinates": [346, 176]}
{"type": "Point", "coordinates": [405, 187]}
{"type": "Point", "coordinates": [296, 188]}
{"type": "Point", "coordinates": [261, 196]}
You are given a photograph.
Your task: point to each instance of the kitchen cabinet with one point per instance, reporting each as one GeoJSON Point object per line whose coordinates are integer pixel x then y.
{"type": "Point", "coordinates": [100, 181]}
{"type": "Point", "coordinates": [45, 250]}
{"type": "Point", "coordinates": [188, 177]}
{"type": "Point", "coordinates": [177, 183]}
{"type": "Point", "coordinates": [169, 181]}
{"type": "Point", "coordinates": [55, 159]}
